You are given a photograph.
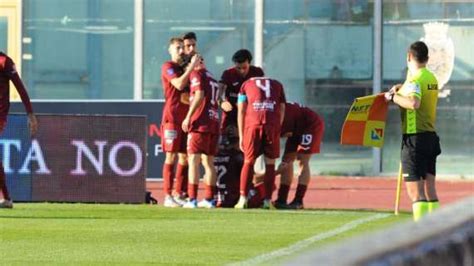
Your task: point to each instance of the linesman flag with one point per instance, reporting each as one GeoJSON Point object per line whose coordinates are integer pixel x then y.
{"type": "Point", "coordinates": [365, 122]}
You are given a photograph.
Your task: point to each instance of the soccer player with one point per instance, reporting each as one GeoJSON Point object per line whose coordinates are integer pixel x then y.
{"type": "Point", "coordinates": [261, 109]}
{"type": "Point", "coordinates": [175, 81]}
{"type": "Point", "coordinates": [232, 79]}
{"type": "Point", "coordinates": [228, 163]}
{"type": "Point", "coordinates": [417, 98]}
{"type": "Point", "coordinates": [189, 49]}
{"type": "Point", "coordinates": [304, 130]}
{"type": "Point", "coordinates": [202, 125]}
{"type": "Point", "coordinates": [8, 73]}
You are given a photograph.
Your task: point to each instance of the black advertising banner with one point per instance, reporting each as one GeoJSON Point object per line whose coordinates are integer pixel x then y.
{"type": "Point", "coordinates": [152, 109]}
{"type": "Point", "coordinates": [81, 158]}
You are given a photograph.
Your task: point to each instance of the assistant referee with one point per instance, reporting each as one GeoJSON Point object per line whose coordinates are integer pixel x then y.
{"type": "Point", "coordinates": [417, 98]}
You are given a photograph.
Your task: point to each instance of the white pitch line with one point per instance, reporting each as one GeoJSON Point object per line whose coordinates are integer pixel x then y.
{"type": "Point", "coordinates": [306, 242]}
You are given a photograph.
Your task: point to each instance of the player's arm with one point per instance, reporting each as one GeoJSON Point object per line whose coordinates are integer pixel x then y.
{"type": "Point", "coordinates": [282, 112]}
{"type": "Point", "coordinates": [20, 87]}
{"type": "Point", "coordinates": [241, 111]}
{"type": "Point", "coordinates": [182, 81]}
{"type": "Point", "coordinates": [410, 102]}
{"type": "Point", "coordinates": [224, 104]}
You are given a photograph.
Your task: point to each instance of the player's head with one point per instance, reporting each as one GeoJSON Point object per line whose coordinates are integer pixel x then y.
{"type": "Point", "coordinates": [176, 49]}
{"type": "Point", "coordinates": [242, 59]}
{"type": "Point", "coordinates": [418, 52]}
{"type": "Point", "coordinates": [190, 42]}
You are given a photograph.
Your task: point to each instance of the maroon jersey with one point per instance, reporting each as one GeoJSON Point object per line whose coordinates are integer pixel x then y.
{"type": "Point", "coordinates": [206, 117]}
{"type": "Point", "coordinates": [176, 101]}
{"type": "Point", "coordinates": [263, 96]}
{"type": "Point", "coordinates": [8, 73]}
{"type": "Point", "coordinates": [233, 80]}
{"type": "Point", "coordinates": [298, 119]}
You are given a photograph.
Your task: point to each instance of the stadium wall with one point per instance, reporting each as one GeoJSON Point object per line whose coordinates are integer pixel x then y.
{"type": "Point", "coordinates": [445, 237]}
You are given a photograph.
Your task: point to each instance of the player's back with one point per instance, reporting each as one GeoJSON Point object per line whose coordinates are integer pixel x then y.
{"type": "Point", "coordinates": [206, 117]}
{"type": "Point", "coordinates": [228, 164]}
{"type": "Point", "coordinates": [297, 118]}
{"type": "Point", "coordinates": [264, 96]}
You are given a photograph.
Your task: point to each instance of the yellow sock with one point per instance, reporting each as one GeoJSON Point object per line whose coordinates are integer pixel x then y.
{"type": "Point", "coordinates": [433, 205]}
{"type": "Point", "coordinates": [420, 208]}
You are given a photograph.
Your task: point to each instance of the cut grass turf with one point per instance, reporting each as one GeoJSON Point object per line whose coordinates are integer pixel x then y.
{"type": "Point", "coordinates": [141, 234]}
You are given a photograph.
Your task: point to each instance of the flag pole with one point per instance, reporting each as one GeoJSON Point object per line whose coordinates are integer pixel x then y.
{"type": "Point", "coordinates": [399, 188]}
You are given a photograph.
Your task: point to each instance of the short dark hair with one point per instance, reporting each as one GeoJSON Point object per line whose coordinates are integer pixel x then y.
{"type": "Point", "coordinates": [174, 40]}
{"type": "Point", "coordinates": [419, 51]}
{"type": "Point", "coordinates": [241, 56]}
{"type": "Point", "coordinates": [189, 35]}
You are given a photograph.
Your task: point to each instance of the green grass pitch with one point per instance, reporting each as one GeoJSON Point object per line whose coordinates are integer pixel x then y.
{"type": "Point", "coordinates": [140, 234]}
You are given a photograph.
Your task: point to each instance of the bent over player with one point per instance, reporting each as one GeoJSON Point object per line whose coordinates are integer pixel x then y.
{"type": "Point", "coordinates": [304, 130]}
{"type": "Point", "coordinates": [8, 73]}
{"type": "Point", "coordinates": [261, 109]}
{"type": "Point", "coordinates": [202, 125]}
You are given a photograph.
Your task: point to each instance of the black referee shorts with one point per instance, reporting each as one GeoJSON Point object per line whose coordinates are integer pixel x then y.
{"type": "Point", "coordinates": [419, 152]}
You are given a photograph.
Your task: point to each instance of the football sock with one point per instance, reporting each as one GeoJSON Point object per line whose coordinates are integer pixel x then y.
{"type": "Point", "coordinates": [260, 188]}
{"type": "Point", "coordinates": [420, 208]}
{"type": "Point", "coordinates": [269, 180]}
{"type": "Point", "coordinates": [283, 193]}
{"type": "Point", "coordinates": [433, 205]}
{"type": "Point", "coordinates": [167, 178]}
{"type": "Point", "coordinates": [245, 176]}
{"type": "Point", "coordinates": [181, 174]}
{"type": "Point", "coordinates": [192, 191]}
{"type": "Point", "coordinates": [300, 192]}
{"type": "Point", "coordinates": [210, 191]}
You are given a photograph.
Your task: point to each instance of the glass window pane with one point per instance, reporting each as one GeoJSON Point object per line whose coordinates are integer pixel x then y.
{"type": "Point", "coordinates": [3, 34]}
{"type": "Point", "coordinates": [80, 49]}
{"type": "Point", "coordinates": [222, 27]}
{"type": "Point", "coordinates": [322, 53]}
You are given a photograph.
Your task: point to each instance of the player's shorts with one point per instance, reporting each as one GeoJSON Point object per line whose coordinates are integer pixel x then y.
{"type": "Point", "coordinates": [307, 143]}
{"type": "Point", "coordinates": [261, 139]}
{"type": "Point", "coordinates": [419, 152]}
{"type": "Point", "coordinates": [202, 143]}
{"type": "Point", "coordinates": [173, 138]}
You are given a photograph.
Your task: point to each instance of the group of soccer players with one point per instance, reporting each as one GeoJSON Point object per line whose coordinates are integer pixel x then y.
{"type": "Point", "coordinates": [224, 126]}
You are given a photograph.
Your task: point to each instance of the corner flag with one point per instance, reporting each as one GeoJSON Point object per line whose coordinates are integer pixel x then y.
{"type": "Point", "coordinates": [365, 122]}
